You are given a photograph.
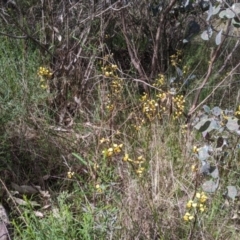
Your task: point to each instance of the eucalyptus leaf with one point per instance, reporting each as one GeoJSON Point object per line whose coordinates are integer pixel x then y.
{"type": "Point", "coordinates": [206, 109]}
{"type": "Point", "coordinates": [229, 13]}
{"type": "Point", "coordinates": [214, 172]}
{"type": "Point", "coordinates": [205, 168]}
{"type": "Point", "coordinates": [205, 36]}
{"type": "Point", "coordinates": [216, 111]}
{"type": "Point", "coordinates": [218, 38]}
{"type": "Point", "coordinates": [210, 186]}
{"type": "Point", "coordinates": [216, 10]}
{"type": "Point", "coordinates": [232, 124]}
{"type": "Point", "coordinates": [203, 153]}
{"type": "Point", "coordinates": [232, 192]}
{"type": "Point", "coordinates": [214, 125]}
{"type": "Point", "coordinates": [236, 8]}
{"type": "Point", "coordinates": [179, 71]}
{"type": "Point", "coordinates": [222, 14]}
{"type": "Point", "coordinates": [205, 126]}
{"type": "Point", "coordinates": [186, 3]}
{"type": "Point", "coordinates": [198, 123]}
{"type": "Point", "coordinates": [235, 23]}
{"type": "Point", "coordinates": [210, 11]}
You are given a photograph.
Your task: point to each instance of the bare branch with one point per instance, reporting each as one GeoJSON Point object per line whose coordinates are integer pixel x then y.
{"type": "Point", "coordinates": [213, 58]}
{"type": "Point", "coordinates": [160, 29]}
{"type": "Point", "coordinates": [132, 51]}
{"type": "Point", "coordinates": [13, 36]}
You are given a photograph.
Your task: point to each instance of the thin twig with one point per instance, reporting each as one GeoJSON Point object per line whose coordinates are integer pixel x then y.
{"type": "Point", "coordinates": [215, 88]}
{"type": "Point", "coordinates": [159, 35]}
{"type": "Point", "coordinates": [213, 58]}
{"type": "Point", "coordinates": [13, 36]}
{"type": "Point", "coordinates": [14, 202]}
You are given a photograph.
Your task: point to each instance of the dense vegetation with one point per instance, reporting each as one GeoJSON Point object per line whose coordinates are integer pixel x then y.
{"type": "Point", "coordinates": [119, 119]}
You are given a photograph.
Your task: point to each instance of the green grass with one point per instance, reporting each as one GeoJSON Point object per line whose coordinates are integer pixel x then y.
{"type": "Point", "coordinates": [106, 198]}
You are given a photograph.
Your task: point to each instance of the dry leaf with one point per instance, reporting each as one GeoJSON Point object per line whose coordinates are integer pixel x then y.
{"type": "Point", "coordinates": [24, 203]}
{"type": "Point", "coordinates": [46, 206]}
{"type": "Point", "coordinates": [24, 189]}
{"type": "Point", "coordinates": [38, 214]}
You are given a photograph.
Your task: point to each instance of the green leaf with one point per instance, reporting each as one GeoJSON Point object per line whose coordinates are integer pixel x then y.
{"type": "Point", "coordinates": [236, 23]}
{"type": "Point", "coordinates": [213, 125]}
{"type": "Point", "coordinates": [205, 126]}
{"type": "Point", "coordinates": [80, 159]}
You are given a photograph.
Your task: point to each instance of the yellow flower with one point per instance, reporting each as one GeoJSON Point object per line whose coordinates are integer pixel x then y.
{"type": "Point", "coordinates": [95, 166]}
{"type": "Point", "coordinates": [126, 157]}
{"type": "Point", "coordinates": [114, 67]}
{"type": "Point", "coordinates": [103, 140]}
{"type": "Point", "coordinates": [70, 174]}
{"type": "Point", "coordinates": [110, 152]}
{"type": "Point", "coordinates": [44, 72]}
{"type": "Point", "coordinates": [195, 149]}
{"type": "Point", "coordinates": [140, 170]}
{"type": "Point", "coordinates": [107, 152]}
{"type": "Point", "coordinates": [188, 217]}
{"type": "Point", "coordinates": [194, 168]}
{"type": "Point", "coordinates": [202, 197]}
{"type": "Point", "coordinates": [202, 207]}
{"type": "Point", "coordinates": [194, 205]}
{"type": "Point", "coordinates": [238, 111]}
{"type": "Point", "coordinates": [189, 204]}
{"type": "Point", "coordinates": [98, 188]}
{"type": "Point", "coordinates": [44, 86]}
{"type": "Point", "coordinates": [144, 97]}
{"type": "Point", "coordinates": [110, 107]}
{"type": "Point", "coordinates": [107, 74]}
{"type": "Point", "coordinates": [198, 195]}
{"type": "Point", "coordinates": [117, 148]}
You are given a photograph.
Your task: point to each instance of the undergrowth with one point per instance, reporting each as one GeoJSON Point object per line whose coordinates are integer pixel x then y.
{"type": "Point", "coordinates": [125, 167]}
